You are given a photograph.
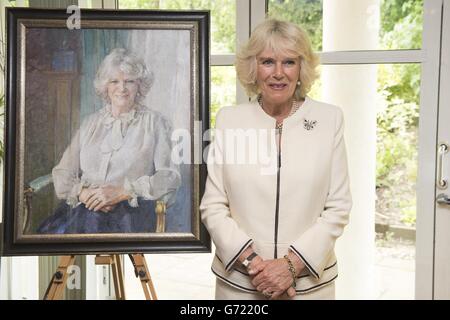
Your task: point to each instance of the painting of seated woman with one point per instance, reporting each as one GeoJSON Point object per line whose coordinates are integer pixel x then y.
{"type": "Point", "coordinates": [119, 162]}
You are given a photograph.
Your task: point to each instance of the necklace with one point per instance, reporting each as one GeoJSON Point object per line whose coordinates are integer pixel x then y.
{"type": "Point", "coordinates": [279, 124]}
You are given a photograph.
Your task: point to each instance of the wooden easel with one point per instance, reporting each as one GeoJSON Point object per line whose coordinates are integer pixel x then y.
{"type": "Point", "coordinates": [56, 287]}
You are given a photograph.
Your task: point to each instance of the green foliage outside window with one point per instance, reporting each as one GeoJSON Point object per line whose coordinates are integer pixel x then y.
{"type": "Point", "coordinates": [307, 13]}
{"type": "Point", "coordinates": [398, 113]}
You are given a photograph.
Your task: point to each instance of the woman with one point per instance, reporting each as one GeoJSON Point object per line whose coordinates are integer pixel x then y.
{"type": "Point", "coordinates": [275, 230]}
{"type": "Point", "coordinates": [119, 161]}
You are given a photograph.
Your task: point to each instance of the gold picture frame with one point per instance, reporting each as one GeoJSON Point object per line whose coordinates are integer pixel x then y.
{"type": "Point", "coordinates": [50, 71]}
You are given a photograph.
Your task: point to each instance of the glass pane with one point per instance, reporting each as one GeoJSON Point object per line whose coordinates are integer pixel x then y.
{"type": "Point", "coordinates": [306, 13]}
{"type": "Point", "coordinates": [223, 18]}
{"type": "Point", "coordinates": [223, 89]}
{"type": "Point", "coordinates": [396, 174]}
{"type": "Point", "coordinates": [355, 25]}
{"type": "Point", "coordinates": [381, 107]}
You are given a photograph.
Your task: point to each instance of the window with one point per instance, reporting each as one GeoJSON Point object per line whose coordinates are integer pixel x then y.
{"type": "Point", "coordinates": [391, 18]}
{"type": "Point", "coordinates": [381, 105]}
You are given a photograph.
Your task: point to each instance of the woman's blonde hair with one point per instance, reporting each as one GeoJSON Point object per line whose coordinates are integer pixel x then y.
{"type": "Point", "coordinates": [120, 59]}
{"type": "Point", "coordinates": [280, 37]}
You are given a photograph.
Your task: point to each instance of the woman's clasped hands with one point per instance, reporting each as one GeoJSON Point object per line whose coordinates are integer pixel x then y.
{"type": "Point", "coordinates": [103, 198]}
{"type": "Point", "coordinates": [272, 277]}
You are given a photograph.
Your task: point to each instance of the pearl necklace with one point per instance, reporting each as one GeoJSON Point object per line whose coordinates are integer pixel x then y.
{"type": "Point", "coordinates": [279, 125]}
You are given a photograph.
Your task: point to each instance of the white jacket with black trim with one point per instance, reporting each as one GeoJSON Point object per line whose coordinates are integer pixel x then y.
{"type": "Point", "coordinates": [294, 198]}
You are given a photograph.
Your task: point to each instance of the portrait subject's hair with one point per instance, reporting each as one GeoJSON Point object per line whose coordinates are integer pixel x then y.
{"type": "Point", "coordinates": [280, 37]}
{"type": "Point", "coordinates": [120, 59]}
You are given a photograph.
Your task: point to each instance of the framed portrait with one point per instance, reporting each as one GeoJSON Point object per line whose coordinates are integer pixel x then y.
{"type": "Point", "coordinates": [104, 122]}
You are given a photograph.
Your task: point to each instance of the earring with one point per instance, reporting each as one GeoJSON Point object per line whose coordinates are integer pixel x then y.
{"type": "Point", "coordinates": [299, 83]}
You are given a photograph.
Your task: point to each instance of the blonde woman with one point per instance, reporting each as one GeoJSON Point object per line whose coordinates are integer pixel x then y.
{"type": "Point", "coordinates": [275, 230]}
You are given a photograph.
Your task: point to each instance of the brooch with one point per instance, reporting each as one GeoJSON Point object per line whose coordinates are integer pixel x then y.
{"type": "Point", "coordinates": [309, 124]}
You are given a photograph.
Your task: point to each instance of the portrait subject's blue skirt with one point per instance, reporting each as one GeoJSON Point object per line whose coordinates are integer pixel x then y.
{"type": "Point", "coordinates": [122, 219]}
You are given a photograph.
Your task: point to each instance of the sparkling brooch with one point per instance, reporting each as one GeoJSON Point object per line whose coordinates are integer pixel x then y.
{"type": "Point", "coordinates": [309, 124]}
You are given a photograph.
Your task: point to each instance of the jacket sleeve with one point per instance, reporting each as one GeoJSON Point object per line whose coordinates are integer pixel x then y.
{"type": "Point", "coordinates": [229, 239]}
{"type": "Point", "coordinates": [315, 245]}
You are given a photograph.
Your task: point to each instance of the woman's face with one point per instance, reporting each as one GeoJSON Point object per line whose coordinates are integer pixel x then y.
{"type": "Point", "coordinates": [277, 76]}
{"type": "Point", "coordinates": [122, 90]}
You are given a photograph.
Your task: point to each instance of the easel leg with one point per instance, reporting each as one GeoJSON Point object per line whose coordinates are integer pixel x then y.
{"type": "Point", "coordinates": [56, 287]}
{"type": "Point", "coordinates": [119, 286]}
{"type": "Point", "coordinates": [141, 271]}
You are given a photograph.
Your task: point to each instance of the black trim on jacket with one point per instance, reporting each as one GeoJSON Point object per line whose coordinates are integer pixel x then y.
{"type": "Point", "coordinates": [277, 201]}
{"type": "Point", "coordinates": [306, 262]}
{"type": "Point", "coordinates": [238, 254]}
{"type": "Point", "coordinates": [232, 283]}
{"type": "Point", "coordinates": [255, 291]}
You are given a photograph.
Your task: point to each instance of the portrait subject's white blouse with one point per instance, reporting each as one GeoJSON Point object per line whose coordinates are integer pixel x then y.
{"type": "Point", "coordinates": [133, 150]}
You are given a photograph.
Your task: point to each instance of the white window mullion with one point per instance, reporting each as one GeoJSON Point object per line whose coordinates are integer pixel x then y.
{"type": "Point", "coordinates": [21, 278]}
{"type": "Point", "coordinates": [110, 4]}
{"type": "Point", "coordinates": [5, 279]}
{"type": "Point", "coordinates": [258, 10]}
{"type": "Point", "coordinates": [99, 4]}
{"type": "Point", "coordinates": [242, 21]}
{"type": "Point", "coordinates": [85, 4]}
{"type": "Point", "coordinates": [372, 57]}
{"type": "Point", "coordinates": [223, 59]}
{"type": "Point", "coordinates": [242, 35]}
{"type": "Point", "coordinates": [96, 4]}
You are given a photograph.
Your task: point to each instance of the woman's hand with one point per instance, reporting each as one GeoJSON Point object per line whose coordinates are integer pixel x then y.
{"type": "Point", "coordinates": [107, 209]}
{"type": "Point", "coordinates": [84, 196]}
{"type": "Point", "coordinates": [103, 198]}
{"type": "Point", "coordinates": [274, 277]}
{"type": "Point", "coordinates": [254, 265]}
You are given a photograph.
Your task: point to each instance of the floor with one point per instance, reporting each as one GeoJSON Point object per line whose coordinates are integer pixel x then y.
{"type": "Point", "coordinates": [188, 276]}
{"type": "Point", "coordinates": [395, 265]}
{"type": "Point", "coordinates": [175, 277]}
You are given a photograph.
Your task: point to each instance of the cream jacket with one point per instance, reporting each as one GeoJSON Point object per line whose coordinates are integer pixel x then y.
{"type": "Point", "coordinates": [294, 198]}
